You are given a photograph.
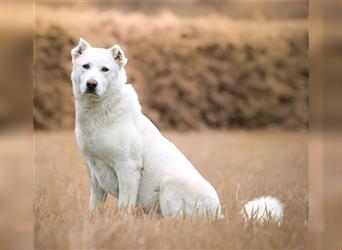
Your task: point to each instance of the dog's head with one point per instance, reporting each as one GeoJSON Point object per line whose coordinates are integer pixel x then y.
{"type": "Point", "coordinates": [97, 71]}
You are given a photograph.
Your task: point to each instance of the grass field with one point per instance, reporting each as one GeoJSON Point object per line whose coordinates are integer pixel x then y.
{"type": "Point", "coordinates": [240, 164]}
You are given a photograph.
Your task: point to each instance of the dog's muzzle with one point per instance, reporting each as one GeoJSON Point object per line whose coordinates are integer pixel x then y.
{"type": "Point", "coordinates": [91, 86]}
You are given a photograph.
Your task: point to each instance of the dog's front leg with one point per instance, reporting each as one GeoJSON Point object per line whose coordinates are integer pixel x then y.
{"type": "Point", "coordinates": [129, 174]}
{"type": "Point", "coordinates": [97, 195]}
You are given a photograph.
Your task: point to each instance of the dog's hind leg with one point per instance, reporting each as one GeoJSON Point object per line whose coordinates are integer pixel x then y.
{"type": "Point", "coordinates": [170, 202]}
{"type": "Point", "coordinates": [180, 196]}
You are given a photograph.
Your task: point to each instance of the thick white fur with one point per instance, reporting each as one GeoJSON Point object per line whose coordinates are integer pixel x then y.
{"type": "Point", "coordinates": [264, 208]}
{"type": "Point", "coordinates": [124, 152]}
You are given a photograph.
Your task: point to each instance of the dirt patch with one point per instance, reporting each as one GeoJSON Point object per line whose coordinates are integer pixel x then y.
{"type": "Point", "coordinates": [189, 72]}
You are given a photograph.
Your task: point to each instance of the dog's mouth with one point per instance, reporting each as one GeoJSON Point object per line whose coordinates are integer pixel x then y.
{"type": "Point", "coordinates": [90, 92]}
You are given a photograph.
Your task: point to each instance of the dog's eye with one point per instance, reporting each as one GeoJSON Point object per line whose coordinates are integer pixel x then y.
{"type": "Point", "coordinates": [104, 69]}
{"type": "Point", "coordinates": [85, 66]}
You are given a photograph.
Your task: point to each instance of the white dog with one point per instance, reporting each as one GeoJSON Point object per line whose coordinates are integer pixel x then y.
{"type": "Point", "coordinates": [125, 154]}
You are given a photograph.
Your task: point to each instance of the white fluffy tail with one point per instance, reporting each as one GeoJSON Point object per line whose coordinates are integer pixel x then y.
{"type": "Point", "coordinates": [264, 209]}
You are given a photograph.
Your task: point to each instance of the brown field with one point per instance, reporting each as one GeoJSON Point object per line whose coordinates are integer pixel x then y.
{"type": "Point", "coordinates": [243, 67]}
{"type": "Point", "coordinates": [240, 165]}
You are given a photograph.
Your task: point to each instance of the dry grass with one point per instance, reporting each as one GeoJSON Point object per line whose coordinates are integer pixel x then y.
{"type": "Point", "coordinates": [16, 185]}
{"type": "Point", "coordinates": [239, 164]}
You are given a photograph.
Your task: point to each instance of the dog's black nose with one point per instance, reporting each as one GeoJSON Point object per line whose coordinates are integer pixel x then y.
{"type": "Point", "coordinates": [91, 85]}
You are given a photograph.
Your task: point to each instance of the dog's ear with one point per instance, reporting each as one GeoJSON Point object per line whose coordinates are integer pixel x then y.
{"type": "Point", "coordinates": [82, 46]}
{"type": "Point", "coordinates": [118, 55]}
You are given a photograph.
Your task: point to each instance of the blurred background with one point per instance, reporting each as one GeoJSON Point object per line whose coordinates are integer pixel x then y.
{"type": "Point", "coordinates": [16, 144]}
{"type": "Point", "coordinates": [194, 64]}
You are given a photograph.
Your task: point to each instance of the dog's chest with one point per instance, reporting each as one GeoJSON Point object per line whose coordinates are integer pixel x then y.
{"type": "Point", "coordinates": [115, 141]}
{"type": "Point", "coordinates": [104, 142]}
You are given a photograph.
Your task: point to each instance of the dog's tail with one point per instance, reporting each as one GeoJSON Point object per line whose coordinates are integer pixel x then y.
{"type": "Point", "coordinates": [263, 209]}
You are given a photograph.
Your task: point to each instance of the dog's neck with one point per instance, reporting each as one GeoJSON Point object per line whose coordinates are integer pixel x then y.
{"type": "Point", "coordinates": [96, 112]}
